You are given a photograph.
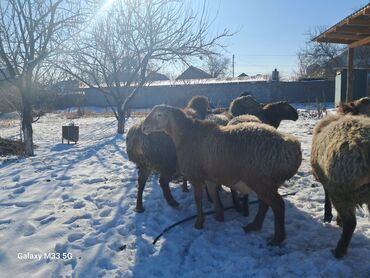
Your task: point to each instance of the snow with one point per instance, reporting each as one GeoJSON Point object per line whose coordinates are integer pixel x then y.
{"type": "Point", "coordinates": [78, 201]}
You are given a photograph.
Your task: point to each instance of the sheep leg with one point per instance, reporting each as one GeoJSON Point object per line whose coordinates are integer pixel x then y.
{"type": "Point", "coordinates": [235, 197]}
{"type": "Point", "coordinates": [276, 202]}
{"type": "Point", "coordinates": [198, 192]}
{"type": "Point", "coordinates": [208, 195]}
{"type": "Point", "coordinates": [213, 191]}
{"type": "Point", "coordinates": [349, 224]}
{"type": "Point", "coordinates": [278, 207]}
{"type": "Point", "coordinates": [328, 216]}
{"type": "Point", "coordinates": [184, 185]}
{"type": "Point", "coordinates": [256, 225]}
{"type": "Point", "coordinates": [245, 205]}
{"type": "Point", "coordinates": [143, 176]}
{"type": "Point", "coordinates": [164, 182]}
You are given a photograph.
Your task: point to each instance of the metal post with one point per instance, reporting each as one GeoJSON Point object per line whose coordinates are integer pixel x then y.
{"type": "Point", "coordinates": [349, 96]}
{"type": "Point", "coordinates": [233, 65]}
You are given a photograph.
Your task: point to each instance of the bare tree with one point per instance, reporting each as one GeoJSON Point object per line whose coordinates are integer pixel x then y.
{"type": "Point", "coordinates": [318, 60]}
{"type": "Point", "coordinates": [115, 54]}
{"type": "Point", "coordinates": [217, 65]}
{"type": "Point", "coordinates": [30, 32]}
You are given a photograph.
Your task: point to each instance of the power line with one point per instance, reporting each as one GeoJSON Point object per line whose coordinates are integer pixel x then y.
{"type": "Point", "coordinates": [267, 55]}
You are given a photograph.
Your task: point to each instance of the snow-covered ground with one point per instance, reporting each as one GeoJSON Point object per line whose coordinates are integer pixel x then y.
{"type": "Point", "coordinates": [78, 201]}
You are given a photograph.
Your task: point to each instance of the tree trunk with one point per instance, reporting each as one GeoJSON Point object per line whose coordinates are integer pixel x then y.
{"type": "Point", "coordinates": [27, 123]}
{"type": "Point", "coordinates": [121, 121]}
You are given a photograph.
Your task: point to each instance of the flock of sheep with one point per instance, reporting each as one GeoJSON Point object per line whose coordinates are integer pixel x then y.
{"type": "Point", "coordinates": [242, 149]}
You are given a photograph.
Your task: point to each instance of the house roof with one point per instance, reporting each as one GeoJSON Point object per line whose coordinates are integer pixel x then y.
{"type": "Point", "coordinates": [156, 76]}
{"type": "Point", "coordinates": [193, 73]}
{"type": "Point", "coordinates": [354, 30]}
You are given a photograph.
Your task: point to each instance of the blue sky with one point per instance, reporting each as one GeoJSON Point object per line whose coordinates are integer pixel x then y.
{"type": "Point", "coordinates": [270, 32]}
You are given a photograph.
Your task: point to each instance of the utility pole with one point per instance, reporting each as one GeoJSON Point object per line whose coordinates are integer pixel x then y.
{"type": "Point", "coordinates": [233, 65]}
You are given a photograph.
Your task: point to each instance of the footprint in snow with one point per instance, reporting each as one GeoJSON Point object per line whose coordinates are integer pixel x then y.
{"type": "Point", "coordinates": [77, 217]}
{"type": "Point", "coordinates": [106, 263]}
{"type": "Point", "coordinates": [16, 178]}
{"type": "Point", "coordinates": [48, 220]}
{"type": "Point", "coordinates": [75, 236]}
{"type": "Point", "coordinates": [105, 213]}
{"type": "Point", "coordinates": [28, 230]}
{"type": "Point", "coordinates": [19, 190]}
{"type": "Point", "coordinates": [78, 204]}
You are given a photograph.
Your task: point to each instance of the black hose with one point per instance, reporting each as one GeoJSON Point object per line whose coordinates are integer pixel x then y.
{"type": "Point", "coordinates": [206, 213]}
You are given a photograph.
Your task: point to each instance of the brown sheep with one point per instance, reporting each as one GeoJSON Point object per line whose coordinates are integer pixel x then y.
{"type": "Point", "coordinates": [238, 106]}
{"type": "Point", "coordinates": [198, 107]}
{"type": "Point", "coordinates": [357, 107]}
{"type": "Point", "coordinates": [156, 152]}
{"type": "Point", "coordinates": [340, 159]}
{"type": "Point", "coordinates": [244, 119]}
{"type": "Point", "coordinates": [244, 105]}
{"type": "Point", "coordinates": [246, 155]}
{"type": "Point", "coordinates": [271, 114]}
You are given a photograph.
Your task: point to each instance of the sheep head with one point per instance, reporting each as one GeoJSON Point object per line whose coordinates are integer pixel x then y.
{"type": "Point", "coordinates": [357, 107]}
{"type": "Point", "coordinates": [201, 106]}
{"type": "Point", "coordinates": [244, 105]}
{"type": "Point", "coordinates": [157, 120]}
{"type": "Point", "coordinates": [283, 109]}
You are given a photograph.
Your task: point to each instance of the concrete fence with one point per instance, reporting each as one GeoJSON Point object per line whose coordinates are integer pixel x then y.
{"type": "Point", "coordinates": [220, 94]}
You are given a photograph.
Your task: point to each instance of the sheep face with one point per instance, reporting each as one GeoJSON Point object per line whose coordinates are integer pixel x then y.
{"type": "Point", "coordinates": [289, 112]}
{"type": "Point", "coordinates": [199, 103]}
{"type": "Point", "coordinates": [157, 120]}
{"type": "Point", "coordinates": [283, 109]}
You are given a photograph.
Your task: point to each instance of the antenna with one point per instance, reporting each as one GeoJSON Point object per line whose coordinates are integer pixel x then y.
{"type": "Point", "coordinates": [233, 65]}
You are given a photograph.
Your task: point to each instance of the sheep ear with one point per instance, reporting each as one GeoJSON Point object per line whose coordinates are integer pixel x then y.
{"type": "Point", "coordinates": [344, 108]}
{"type": "Point", "coordinates": [365, 100]}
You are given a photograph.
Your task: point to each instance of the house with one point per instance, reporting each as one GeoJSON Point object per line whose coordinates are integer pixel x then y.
{"type": "Point", "coordinates": [156, 76]}
{"type": "Point", "coordinates": [193, 73]}
{"type": "Point", "coordinates": [355, 33]}
{"type": "Point", "coordinates": [66, 86]}
{"type": "Point", "coordinates": [242, 75]}
{"type": "Point", "coordinates": [361, 74]}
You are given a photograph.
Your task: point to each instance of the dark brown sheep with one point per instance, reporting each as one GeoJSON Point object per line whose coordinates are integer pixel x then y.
{"type": "Point", "coordinates": [271, 113]}
{"type": "Point", "coordinates": [244, 105]}
{"type": "Point", "coordinates": [246, 155]}
{"type": "Point", "coordinates": [156, 152]}
{"type": "Point", "coordinates": [274, 113]}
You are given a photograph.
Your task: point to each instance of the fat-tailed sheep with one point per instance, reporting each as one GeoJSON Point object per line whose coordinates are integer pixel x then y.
{"type": "Point", "coordinates": [156, 152]}
{"type": "Point", "coordinates": [340, 159]}
{"type": "Point", "coordinates": [248, 155]}
{"type": "Point", "coordinates": [357, 107]}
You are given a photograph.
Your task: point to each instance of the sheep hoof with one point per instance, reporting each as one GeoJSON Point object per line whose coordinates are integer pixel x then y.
{"type": "Point", "coordinates": [328, 218]}
{"type": "Point", "coordinates": [251, 227]}
{"type": "Point", "coordinates": [198, 225]}
{"type": "Point", "coordinates": [173, 203]}
{"type": "Point", "coordinates": [339, 221]}
{"type": "Point", "coordinates": [338, 253]}
{"type": "Point", "coordinates": [139, 209]}
{"type": "Point", "coordinates": [275, 241]}
{"type": "Point", "coordinates": [245, 213]}
{"type": "Point", "coordinates": [219, 218]}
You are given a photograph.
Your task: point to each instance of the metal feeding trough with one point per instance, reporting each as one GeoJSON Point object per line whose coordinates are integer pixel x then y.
{"type": "Point", "coordinates": [70, 133]}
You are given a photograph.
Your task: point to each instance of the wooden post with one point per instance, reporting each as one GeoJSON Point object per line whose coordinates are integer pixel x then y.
{"type": "Point", "coordinates": [349, 96]}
